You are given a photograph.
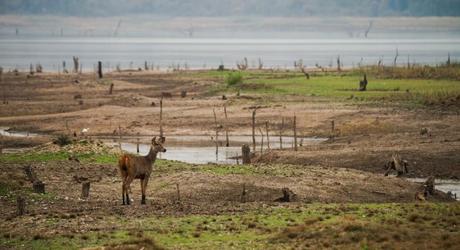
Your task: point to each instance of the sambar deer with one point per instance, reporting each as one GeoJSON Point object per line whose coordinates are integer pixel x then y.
{"type": "Point", "coordinates": [138, 167]}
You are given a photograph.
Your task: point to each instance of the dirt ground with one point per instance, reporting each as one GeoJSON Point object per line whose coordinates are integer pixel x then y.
{"type": "Point", "coordinates": [201, 192]}
{"type": "Point", "coordinates": [366, 135]}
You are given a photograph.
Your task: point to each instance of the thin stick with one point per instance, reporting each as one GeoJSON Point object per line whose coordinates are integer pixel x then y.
{"type": "Point", "coordinates": [295, 133]}
{"type": "Point", "coordinates": [161, 117]}
{"type": "Point", "coordinates": [262, 141]}
{"type": "Point", "coordinates": [178, 191]}
{"type": "Point", "coordinates": [227, 143]}
{"type": "Point", "coordinates": [332, 129]}
{"type": "Point", "coordinates": [217, 134]}
{"type": "Point", "coordinates": [254, 130]}
{"type": "Point", "coordinates": [268, 138]}
{"type": "Point", "coordinates": [281, 133]}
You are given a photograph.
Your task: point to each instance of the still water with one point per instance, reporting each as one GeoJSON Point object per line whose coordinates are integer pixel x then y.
{"type": "Point", "coordinates": [209, 53]}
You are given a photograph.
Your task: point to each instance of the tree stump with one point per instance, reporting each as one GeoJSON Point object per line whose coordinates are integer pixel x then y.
{"type": "Point", "coordinates": [99, 69]}
{"type": "Point", "coordinates": [288, 196]}
{"type": "Point", "coordinates": [363, 84]}
{"type": "Point", "coordinates": [85, 189]}
{"type": "Point", "coordinates": [429, 186]}
{"type": "Point", "coordinates": [39, 187]}
{"type": "Point", "coordinates": [21, 205]}
{"type": "Point", "coordinates": [111, 88]}
{"type": "Point", "coordinates": [30, 173]}
{"type": "Point", "coordinates": [246, 154]}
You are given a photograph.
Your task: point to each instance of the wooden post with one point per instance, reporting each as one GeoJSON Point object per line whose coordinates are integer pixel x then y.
{"type": "Point", "coordinates": [21, 205]}
{"type": "Point", "coordinates": [281, 132]}
{"type": "Point", "coordinates": [254, 130]}
{"type": "Point", "coordinates": [243, 194]}
{"type": "Point", "coordinates": [295, 133]}
{"type": "Point", "coordinates": [99, 69]}
{"type": "Point", "coordinates": [246, 154]}
{"type": "Point", "coordinates": [39, 187]}
{"type": "Point", "coordinates": [268, 138]}
{"type": "Point", "coordinates": [217, 135]}
{"type": "Point", "coordinates": [111, 88]}
{"type": "Point", "coordinates": [178, 192]}
{"type": "Point", "coordinates": [262, 141]}
{"type": "Point", "coordinates": [85, 189]}
{"type": "Point", "coordinates": [332, 130]}
{"type": "Point", "coordinates": [161, 117]}
{"type": "Point", "coordinates": [76, 64]}
{"type": "Point", "coordinates": [227, 143]}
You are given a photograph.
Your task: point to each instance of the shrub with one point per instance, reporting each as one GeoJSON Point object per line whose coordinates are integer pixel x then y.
{"type": "Point", "coordinates": [234, 79]}
{"type": "Point", "coordinates": [62, 140]}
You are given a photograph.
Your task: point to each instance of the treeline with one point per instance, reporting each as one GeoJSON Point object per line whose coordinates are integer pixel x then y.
{"type": "Point", "coordinates": [234, 7]}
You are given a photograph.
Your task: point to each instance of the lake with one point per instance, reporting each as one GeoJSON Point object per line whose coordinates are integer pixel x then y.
{"type": "Point", "coordinates": [199, 53]}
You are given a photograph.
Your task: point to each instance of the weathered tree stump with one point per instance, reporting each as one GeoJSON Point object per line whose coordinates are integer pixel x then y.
{"type": "Point", "coordinates": [111, 88]}
{"type": "Point", "coordinates": [39, 187]}
{"type": "Point", "coordinates": [99, 69]}
{"type": "Point", "coordinates": [85, 189]}
{"type": "Point", "coordinates": [76, 64]}
{"type": "Point", "coordinates": [397, 164]}
{"type": "Point", "coordinates": [21, 205]}
{"type": "Point", "coordinates": [244, 193]}
{"type": "Point", "coordinates": [30, 174]}
{"type": "Point", "coordinates": [246, 154]}
{"type": "Point", "coordinates": [429, 186]}
{"type": "Point", "coordinates": [363, 84]}
{"type": "Point", "coordinates": [288, 196]}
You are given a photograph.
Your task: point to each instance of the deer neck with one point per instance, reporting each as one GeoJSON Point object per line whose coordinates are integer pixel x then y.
{"type": "Point", "coordinates": [152, 155]}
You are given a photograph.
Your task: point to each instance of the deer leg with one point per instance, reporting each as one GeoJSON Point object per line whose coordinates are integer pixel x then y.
{"type": "Point", "coordinates": [142, 191]}
{"type": "Point", "coordinates": [123, 191]}
{"type": "Point", "coordinates": [127, 188]}
{"type": "Point", "coordinates": [144, 187]}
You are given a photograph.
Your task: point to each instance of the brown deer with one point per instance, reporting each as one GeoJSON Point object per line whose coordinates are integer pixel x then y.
{"type": "Point", "coordinates": [138, 167]}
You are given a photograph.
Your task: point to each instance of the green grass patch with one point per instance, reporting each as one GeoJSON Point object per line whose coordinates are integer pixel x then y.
{"type": "Point", "coordinates": [316, 224]}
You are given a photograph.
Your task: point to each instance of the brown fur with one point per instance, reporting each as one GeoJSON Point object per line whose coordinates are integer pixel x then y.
{"type": "Point", "coordinates": [138, 167]}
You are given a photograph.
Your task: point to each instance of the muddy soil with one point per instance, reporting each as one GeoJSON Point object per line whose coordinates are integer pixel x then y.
{"type": "Point", "coordinates": [366, 135]}
{"type": "Point", "coordinates": [201, 192]}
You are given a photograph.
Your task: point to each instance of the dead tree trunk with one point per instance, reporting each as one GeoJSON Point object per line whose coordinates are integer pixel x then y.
{"type": "Point", "coordinates": [254, 130]}
{"type": "Point", "coordinates": [268, 138]}
{"type": "Point", "coordinates": [429, 186]}
{"type": "Point", "coordinates": [227, 143]}
{"type": "Point", "coordinates": [262, 141]}
{"type": "Point", "coordinates": [217, 134]}
{"type": "Point", "coordinates": [295, 133]}
{"type": "Point", "coordinates": [39, 187]}
{"type": "Point", "coordinates": [85, 189]}
{"type": "Point", "coordinates": [21, 205]}
{"type": "Point", "coordinates": [76, 64]}
{"type": "Point", "coordinates": [246, 154]}
{"type": "Point", "coordinates": [281, 132]}
{"type": "Point", "coordinates": [161, 117]}
{"type": "Point", "coordinates": [243, 194]}
{"type": "Point", "coordinates": [363, 84]}
{"type": "Point", "coordinates": [99, 69]}
{"type": "Point", "coordinates": [30, 174]}
{"type": "Point", "coordinates": [178, 192]}
{"type": "Point", "coordinates": [111, 88]}
{"type": "Point", "coordinates": [332, 130]}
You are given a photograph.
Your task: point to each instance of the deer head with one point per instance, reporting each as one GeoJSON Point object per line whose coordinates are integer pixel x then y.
{"type": "Point", "coordinates": [157, 145]}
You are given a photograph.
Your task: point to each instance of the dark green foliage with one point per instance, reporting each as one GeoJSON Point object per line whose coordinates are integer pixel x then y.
{"type": "Point", "coordinates": [234, 78]}
{"type": "Point", "coordinates": [62, 140]}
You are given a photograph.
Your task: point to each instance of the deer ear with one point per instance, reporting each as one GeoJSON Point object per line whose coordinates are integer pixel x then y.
{"type": "Point", "coordinates": [154, 141]}
{"type": "Point", "coordinates": [162, 139]}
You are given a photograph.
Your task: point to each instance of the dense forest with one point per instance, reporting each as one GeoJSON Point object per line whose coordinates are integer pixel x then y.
{"type": "Point", "coordinates": [234, 7]}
